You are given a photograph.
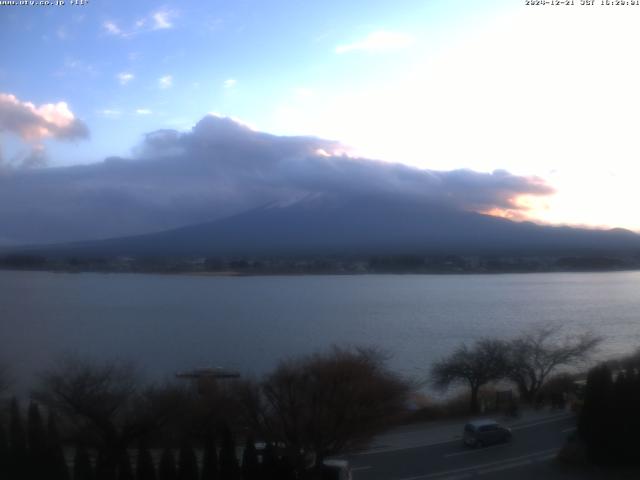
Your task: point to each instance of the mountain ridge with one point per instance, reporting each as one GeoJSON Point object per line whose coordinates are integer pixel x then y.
{"type": "Point", "coordinates": [356, 225]}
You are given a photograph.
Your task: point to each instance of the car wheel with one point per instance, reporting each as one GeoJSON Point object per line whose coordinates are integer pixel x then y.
{"type": "Point", "coordinates": [479, 444]}
{"type": "Point", "coordinates": [508, 438]}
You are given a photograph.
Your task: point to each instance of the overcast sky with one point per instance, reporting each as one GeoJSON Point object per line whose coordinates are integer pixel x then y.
{"type": "Point", "coordinates": [549, 93]}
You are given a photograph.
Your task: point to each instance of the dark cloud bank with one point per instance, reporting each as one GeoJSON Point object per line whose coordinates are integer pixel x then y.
{"type": "Point", "coordinates": [218, 169]}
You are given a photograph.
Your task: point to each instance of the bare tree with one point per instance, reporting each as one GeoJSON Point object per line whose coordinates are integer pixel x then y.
{"type": "Point", "coordinates": [473, 366]}
{"type": "Point", "coordinates": [105, 401]}
{"type": "Point", "coordinates": [325, 404]}
{"type": "Point", "coordinates": [538, 353]}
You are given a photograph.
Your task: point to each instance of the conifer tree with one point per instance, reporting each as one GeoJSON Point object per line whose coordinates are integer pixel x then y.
{"type": "Point", "coordinates": [187, 463]}
{"type": "Point", "coordinates": [229, 469]}
{"type": "Point", "coordinates": [105, 469]}
{"type": "Point", "coordinates": [37, 441]}
{"type": "Point", "coordinates": [18, 461]}
{"type": "Point", "coordinates": [595, 422]}
{"type": "Point", "coordinates": [145, 469]}
{"type": "Point", "coordinates": [56, 463]}
{"type": "Point", "coordinates": [210, 460]}
{"type": "Point", "coordinates": [167, 470]}
{"type": "Point", "coordinates": [269, 467]}
{"type": "Point", "coordinates": [250, 464]}
{"type": "Point", "coordinates": [285, 469]}
{"type": "Point", "coordinates": [124, 467]}
{"type": "Point", "coordinates": [82, 468]}
{"type": "Point", "coordinates": [634, 420]}
{"type": "Point", "coordinates": [622, 410]}
{"type": "Point", "coordinates": [4, 453]}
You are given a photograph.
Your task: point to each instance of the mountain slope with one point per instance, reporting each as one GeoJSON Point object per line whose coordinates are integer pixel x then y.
{"type": "Point", "coordinates": [359, 225]}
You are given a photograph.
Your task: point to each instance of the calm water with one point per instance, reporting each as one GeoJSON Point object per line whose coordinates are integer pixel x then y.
{"type": "Point", "coordinates": [168, 323]}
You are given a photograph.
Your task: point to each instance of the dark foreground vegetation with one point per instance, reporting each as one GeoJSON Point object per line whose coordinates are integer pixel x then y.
{"type": "Point", "coordinates": [104, 424]}
{"type": "Point", "coordinates": [100, 421]}
{"type": "Point", "coordinates": [609, 420]}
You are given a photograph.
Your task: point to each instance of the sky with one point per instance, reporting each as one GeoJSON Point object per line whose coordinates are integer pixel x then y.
{"type": "Point", "coordinates": [549, 94]}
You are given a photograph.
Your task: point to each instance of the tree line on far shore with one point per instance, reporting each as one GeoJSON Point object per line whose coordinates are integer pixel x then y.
{"type": "Point", "coordinates": [104, 423]}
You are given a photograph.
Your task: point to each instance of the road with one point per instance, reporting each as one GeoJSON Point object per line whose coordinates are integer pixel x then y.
{"type": "Point", "coordinates": [528, 456]}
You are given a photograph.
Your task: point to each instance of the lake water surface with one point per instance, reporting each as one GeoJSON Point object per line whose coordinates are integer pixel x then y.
{"type": "Point", "coordinates": [168, 323]}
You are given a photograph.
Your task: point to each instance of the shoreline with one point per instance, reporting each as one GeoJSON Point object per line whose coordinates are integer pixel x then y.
{"type": "Point", "coordinates": [238, 273]}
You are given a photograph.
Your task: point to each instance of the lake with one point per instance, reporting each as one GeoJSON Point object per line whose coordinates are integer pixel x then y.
{"type": "Point", "coordinates": [168, 323]}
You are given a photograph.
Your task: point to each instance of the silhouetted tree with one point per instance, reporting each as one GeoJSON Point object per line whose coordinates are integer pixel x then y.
{"type": "Point", "coordinates": [37, 440]}
{"type": "Point", "coordinates": [229, 469]}
{"type": "Point", "coordinates": [144, 465]}
{"type": "Point", "coordinates": [534, 356]}
{"type": "Point", "coordinates": [187, 463]}
{"type": "Point", "coordinates": [167, 469]}
{"type": "Point", "coordinates": [57, 464]}
{"type": "Point", "coordinates": [622, 411]}
{"type": "Point", "coordinates": [269, 466]}
{"type": "Point", "coordinates": [250, 464]}
{"type": "Point", "coordinates": [97, 397]}
{"type": "Point", "coordinates": [634, 419]}
{"type": "Point", "coordinates": [106, 469]}
{"type": "Point", "coordinates": [210, 460]}
{"type": "Point", "coordinates": [4, 453]}
{"type": "Point", "coordinates": [325, 404]}
{"type": "Point", "coordinates": [18, 453]}
{"type": "Point", "coordinates": [594, 424]}
{"type": "Point", "coordinates": [485, 362]}
{"type": "Point", "coordinates": [286, 470]}
{"type": "Point", "coordinates": [106, 400]}
{"type": "Point", "coordinates": [82, 468]}
{"type": "Point", "coordinates": [124, 467]}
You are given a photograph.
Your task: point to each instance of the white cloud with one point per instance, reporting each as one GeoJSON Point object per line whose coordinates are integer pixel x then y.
{"type": "Point", "coordinates": [230, 83]}
{"type": "Point", "coordinates": [162, 19]}
{"type": "Point", "coordinates": [109, 113]}
{"type": "Point", "coordinates": [165, 82]}
{"type": "Point", "coordinates": [112, 28]}
{"type": "Point", "coordinates": [143, 111]}
{"type": "Point", "coordinates": [158, 20]}
{"type": "Point", "coordinates": [125, 77]}
{"type": "Point", "coordinates": [380, 41]}
{"type": "Point", "coordinates": [33, 123]}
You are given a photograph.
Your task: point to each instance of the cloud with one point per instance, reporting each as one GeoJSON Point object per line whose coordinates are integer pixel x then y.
{"type": "Point", "coordinates": [230, 83]}
{"type": "Point", "coordinates": [162, 19]}
{"type": "Point", "coordinates": [33, 123]}
{"type": "Point", "coordinates": [125, 77]}
{"type": "Point", "coordinates": [375, 42]}
{"type": "Point", "coordinates": [165, 82]}
{"type": "Point", "coordinates": [112, 28]}
{"type": "Point", "coordinates": [143, 111]}
{"type": "Point", "coordinates": [218, 168]}
{"type": "Point", "coordinates": [110, 112]}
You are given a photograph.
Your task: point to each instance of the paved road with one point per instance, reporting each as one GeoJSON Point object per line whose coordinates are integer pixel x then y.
{"type": "Point", "coordinates": [534, 445]}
